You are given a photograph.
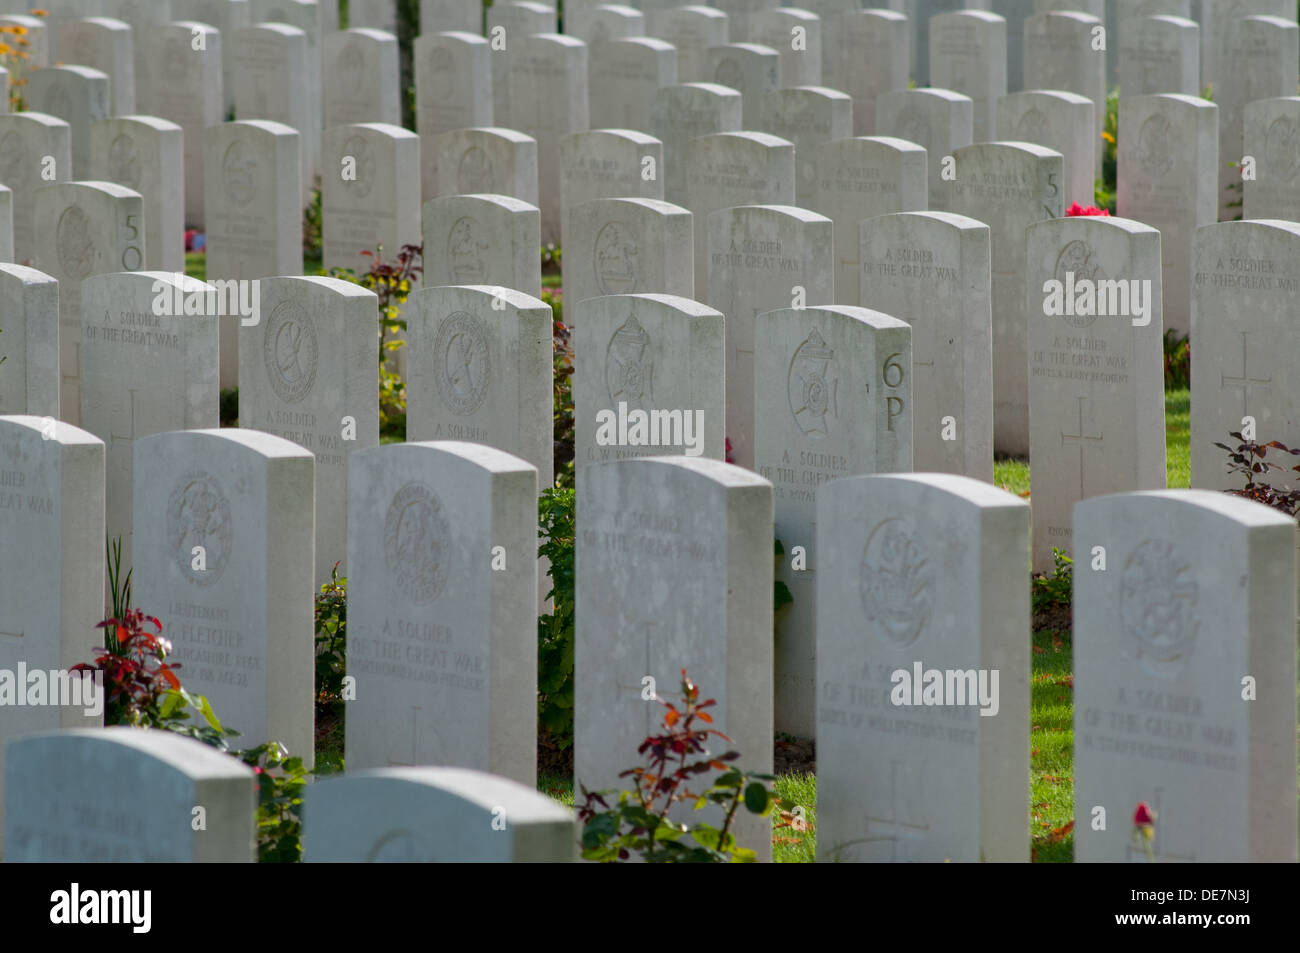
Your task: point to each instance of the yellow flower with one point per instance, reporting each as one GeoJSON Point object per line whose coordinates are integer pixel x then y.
{"type": "Point", "coordinates": [17, 30]}
{"type": "Point", "coordinates": [5, 48]}
{"type": "Point", "coordinates": [1108, 137]}
{"type": "Point", "coordinates": [38, 12]}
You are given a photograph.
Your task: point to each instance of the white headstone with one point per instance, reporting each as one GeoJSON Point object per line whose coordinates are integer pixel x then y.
{"type": "Point", "coordinates": [1125, 22]}
{"type": "Point", "coordinates": [309, 372]}
{"type": "Point", "coordinates": [938, 120]}
{"type": "Point", "coordinates": [35, 149]}
{"type": "Point", "coordinates": [761, 257]}
{"type": "Point", "coordinates": [641, 362]}
{"type": "Point", "coordinates": [684, 112]}
{"type": "Point", "coordinates": [508, 25]}
{"type": "Point", "coordinates": [1244, 281]}
{"type": "Point", "coordinates": [271, 62]}
{"type": "Point", "coordinates": [147, 155]}
{"type": "Point", "coordinates": [185, 86]}
{"type": "Point", "coordinates": [364, 202]}
{"type": "Point", "coordinates": [146, 368]}
{"type": "Point", "coordinates": [1160, 54]}
{"type": "Point", "coordinates": [1185, 678]}
{"type": "Point", "coordinates": [482, 240]}
{"type": "Point", "coordinates": [29, 318]}
{"type": "Point", "coordinates": [624, 76]}
{"type": "Point", "coordinates": [603, 23]}
{"type": "Point", "coordinates": [1008, 186]}
{"type": "Point", "coordinates": [76, 94]}
{"type": "Point", "coordinates": [1272, 137]}
{"type": "Point", "coordinates": [444, 15]}
{"type": "Point", "coordinates": [453, 90]}
{"type": "Point", "coordinates": [931, 270]}
{"type": "Point", "coordinates": [306, 16]}
{"type": "Point", "coordinates": [57, 809]}
{"type": "Point", "coordinates": [253, 212]}
{"type": "Point", "coordinates": [1168, 149]}
{"type": "Point", "coordinates": [480, 370]}
{"type": "Point", "coordinates": [223, 553]}
{"type": "Point", "coordinates": [921, 574]}
{"type": "Point", "coordinates": [861, 178]}
{"type": "Point", "coordinates": [797, 36]}
{"type": "Point", "coordinates": [1221, 25]}
{"type": "Point", "coordinates": [51, 586]}
{"type": "Point", "coordinates": [968, 54]}
{"type": "Point", "coordinates": [442, 603]}
{"type": "Point", "coordinates": [548, 98]}
{"type": "Point", "coordinates": [1262, 64]}
{"type": "Point", "coordinates": [694, 539]}
{"type": "Point", "coordinates": [750, 69]}
{"type": "Point", "coordinates": [104, 44]}
{"type": "Point", "coordinates": [873, 55]}
{"type": "Point", "coordinates": [488, 160]}
{"type": "Point", "coordinates": [628, 246]}
{"type": "Point", "coordinates": [807, 116]}
{"type": "Point", "coordinates": [1061, 121]}
{"type": "Point", "coordinates": [834, 399]}
{"type": "Point", "coordinates": [84, 229]}
{"type": "Point", "coordinates": [608, 163]}
{"type": "Point", "coordinates": [1060, 53]}
{"type": "Point", "coordinates": [359, 70]}
{"type": "Point", "coordinates": [1096, 369]}
{"type": "Point", "coordinates": [691, 30]}
{"type": "Point", "coordinates": [729, 169]}
{"type": "Point", "coordinates": [434, 815]}
{"type": "Point", "coordinates": [225, 16]}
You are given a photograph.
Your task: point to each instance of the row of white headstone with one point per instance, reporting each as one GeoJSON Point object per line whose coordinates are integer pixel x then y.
{"type": "Point", "coordinates": [480, 365]}
{"type": "Point", "coordinates": [1184, 672]}
{"type": "Point", "coordinates": [545, 84]}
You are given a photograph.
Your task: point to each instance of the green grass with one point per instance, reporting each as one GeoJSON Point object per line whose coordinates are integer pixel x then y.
{"type": "Point", "coordinates": [1051, 753]}
{"type": "Point", "coordinates": [1178, 472]}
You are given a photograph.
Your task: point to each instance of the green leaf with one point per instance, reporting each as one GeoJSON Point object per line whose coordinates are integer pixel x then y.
{"type": "Point", "coordinates": [755, 797]}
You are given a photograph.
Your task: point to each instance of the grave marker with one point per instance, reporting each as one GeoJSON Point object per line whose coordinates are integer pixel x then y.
{"type": "Point", "coordinates": [932, 270]}
{"type": "Point", "coordinates": [430, 526]}
{"type": "Point", "coordinates": [223, 551]}
{"type": "Point", "coordinates": [835, 400]}
{"type": "Point", "coordinates": [309, 372]}
{"type": "Point", "coordinates": [1166, 626]}
{"type": "Point", "coordinates": [922, 572]}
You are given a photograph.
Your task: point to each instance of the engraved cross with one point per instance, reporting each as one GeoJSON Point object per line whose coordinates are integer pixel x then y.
{"type": "Point", "coordinates": [895, 828]}
{"type": "Point", "coordinates": [415, 714]}
{"type": "Point", "coordinates": [1079, 439]}
{"type": "Point", "coordinates": [129, 439]}
{"type": "Point", "coordinates": [1245, 382]}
